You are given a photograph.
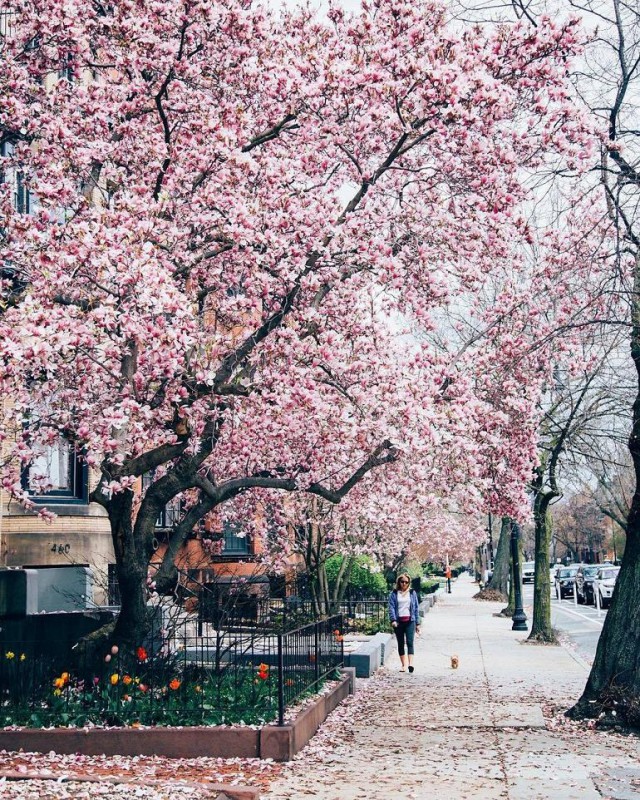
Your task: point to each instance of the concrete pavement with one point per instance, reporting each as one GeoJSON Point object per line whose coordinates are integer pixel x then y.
{"type": "Point", "coordinates": [484, 731]}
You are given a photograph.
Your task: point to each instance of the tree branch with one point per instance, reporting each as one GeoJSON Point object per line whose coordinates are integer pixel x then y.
{"type": "Point", "coordinates": [385, 453]}
{"type": "Point", "coordinates": [272, 133]}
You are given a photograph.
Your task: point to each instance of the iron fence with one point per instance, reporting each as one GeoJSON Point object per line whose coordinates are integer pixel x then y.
{"type": "Point", "coordinates": [221, 654]}
{"type": "Point", "coordinates": [365, 616]}
{"type": "Point", "coordinates": [185, 672]}
{"type": "Point", "coordinates": [360, 616]}
{"type": "Point", "coordinates": [307, 656]}
{"type": "Point", "coordinates": [301, 586]}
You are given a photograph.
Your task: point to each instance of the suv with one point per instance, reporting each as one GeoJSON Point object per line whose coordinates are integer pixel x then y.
{"type": "Point", "coordinates": [584, 583]}
{"type": "Point", "coordinates": [603, 583]}
{"type": "Point", "coordinates": [565, 578]}
{"type": "Point", "coordinates": [528, 571]}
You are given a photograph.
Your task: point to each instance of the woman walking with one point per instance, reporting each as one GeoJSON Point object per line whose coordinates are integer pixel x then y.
{"type": "Point", "coordinates": [403, 613]}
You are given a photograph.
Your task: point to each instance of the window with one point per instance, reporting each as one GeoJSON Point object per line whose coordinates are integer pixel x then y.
{"type": "Point", "coordinates": [6, 20]}
{"type": "Point", "coordinates": [66, 71]}
{"type": "Point", "coordinates": [235, 542]}
{"type": "Point", "coordinates": [113, 587]}
{"type": "Point", "coordinates": [170, 514]}
{"type": "Point", "coordinates": [21, 196]}
{"type": "Point", "coordinates": [57, 474]}
{"type": "Point", "coordinates": [12, 282]}
{"type": "Point", "coordinates": [12, 285]}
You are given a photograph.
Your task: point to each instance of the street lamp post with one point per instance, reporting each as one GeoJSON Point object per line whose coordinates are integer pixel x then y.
{"type": "Point", "coordinates": [519, 617]}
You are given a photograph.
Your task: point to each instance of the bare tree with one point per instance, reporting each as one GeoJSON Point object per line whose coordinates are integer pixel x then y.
{"type": "Point", "coordinates": [610, 83]}
{"type": "Point", "coordinates": [610, 486]}
{"type": "Point", "coordinates": [572, 405]}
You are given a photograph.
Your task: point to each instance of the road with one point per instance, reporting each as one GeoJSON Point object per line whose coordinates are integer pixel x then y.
{"type": "Point", "coordinates": [580, 624]}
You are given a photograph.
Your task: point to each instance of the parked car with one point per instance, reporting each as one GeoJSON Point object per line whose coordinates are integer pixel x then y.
{"type": "Point", "coordinates": [528, 571]}
{"type": "Point", "coordinates": [565, 578]}
{"type": "Point", "coordinates": [603, 583]}
{"type": "Point", "coordinates": [584, 583]}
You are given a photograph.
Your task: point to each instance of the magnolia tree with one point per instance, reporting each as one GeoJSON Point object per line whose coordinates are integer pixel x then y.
{"type": "Point", "coordinates": [386, 517]}
{"type": "Point", "coordinates": [229, 208]}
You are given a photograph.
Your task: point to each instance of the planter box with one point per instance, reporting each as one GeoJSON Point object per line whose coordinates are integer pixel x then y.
{"type": "Point", "coordinates": [270, 741]}
{"type": "Point", "coordinates": [366, 659]}
{"type": "Point", "coordinates": [281, 743]}
{"type": "Point", "coordinates": [386, 642]}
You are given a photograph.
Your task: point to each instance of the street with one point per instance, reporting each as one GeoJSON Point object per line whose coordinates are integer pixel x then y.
{"type": "Point", "coordinates": [580, 624]}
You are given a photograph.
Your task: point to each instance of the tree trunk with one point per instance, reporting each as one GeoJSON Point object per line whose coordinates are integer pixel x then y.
{"type": "Point", "coordinates": [315, 560]}
{"type": "Point", "coordinates": [132, 561]}
{"type": "Point", "coordinates": [613, 687]}
{"type": "Point", "coordinates": [500, 579]}
{"type": "Point", "coordinates": [478, 565]}
{"type": "Point", "coordinates": [541, 630]}
{"type": "Point", "coordinates": [341, 584]}
{"type": "Point", "coordinates": [323, 583]}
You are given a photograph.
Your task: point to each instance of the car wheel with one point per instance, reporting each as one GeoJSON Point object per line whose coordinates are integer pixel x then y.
{"type": "Point", "coordinates": [603, 603]}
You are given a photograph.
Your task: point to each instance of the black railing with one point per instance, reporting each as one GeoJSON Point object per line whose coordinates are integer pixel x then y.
{"type": "Point", "coordinates": [365, 616]}
{"type": "Point", "coordinates": [245, 611]}
{"type": "Point", "coordinates": [185, 672]}
{"type": "Point", "coordinates": [307, 656]}
{"type": "Point", "coordinates": [301, 586]}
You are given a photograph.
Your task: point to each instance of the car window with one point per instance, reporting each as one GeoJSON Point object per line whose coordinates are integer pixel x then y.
{"type": "Point", "coordinates": [607, 574]}
{"type": "Point", "coordinates": [590, 571]}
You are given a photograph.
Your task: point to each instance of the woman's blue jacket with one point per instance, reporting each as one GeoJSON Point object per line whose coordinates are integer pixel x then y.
{"type": "Point", "coordinates": [393, 606]}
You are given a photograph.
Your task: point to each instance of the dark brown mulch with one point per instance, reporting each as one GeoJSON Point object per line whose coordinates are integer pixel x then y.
{"type": "Point", "coordinates": [490, 594]}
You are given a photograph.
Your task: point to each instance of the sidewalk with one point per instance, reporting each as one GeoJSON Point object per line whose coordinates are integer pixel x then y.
{"type": "Point", "coordinates": [478, 732]}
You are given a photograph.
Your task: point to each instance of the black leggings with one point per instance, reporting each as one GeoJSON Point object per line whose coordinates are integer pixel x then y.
{"type": "Point", "coordinates": [405, 630]}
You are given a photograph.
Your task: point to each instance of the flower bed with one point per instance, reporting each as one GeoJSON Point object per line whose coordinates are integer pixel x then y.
{"type": "Point", "coordinates": [147, 695]}
{"type": "Point", "coordinates": [187, 679]}
{"type": "Point", "coordinates": [278, 742]}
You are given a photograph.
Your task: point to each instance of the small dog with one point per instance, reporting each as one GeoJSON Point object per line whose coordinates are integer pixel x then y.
{"type": "Point", "coordinates": [454, 662]}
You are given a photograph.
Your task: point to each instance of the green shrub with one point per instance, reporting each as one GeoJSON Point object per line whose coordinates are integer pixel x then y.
{"type": "Point", "coordinates": [365, 578]}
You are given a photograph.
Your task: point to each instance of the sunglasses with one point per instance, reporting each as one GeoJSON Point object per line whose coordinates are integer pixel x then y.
{"type": "Point", "coordinates": [403, 581]}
